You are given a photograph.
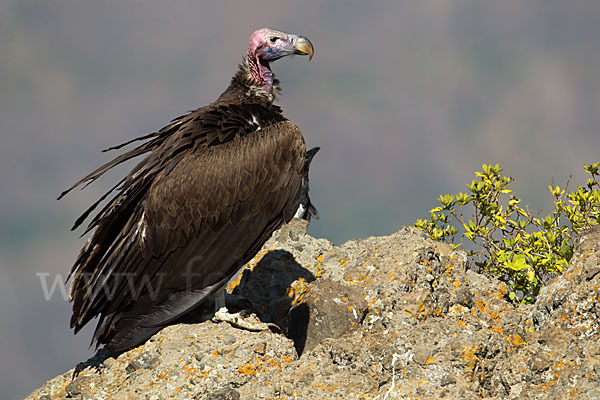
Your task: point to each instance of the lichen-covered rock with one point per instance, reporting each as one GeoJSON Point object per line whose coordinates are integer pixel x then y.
{"type": "Point", "coordinates": [328, 309]}
{"type": "Point", "coordinates": [425, 327]}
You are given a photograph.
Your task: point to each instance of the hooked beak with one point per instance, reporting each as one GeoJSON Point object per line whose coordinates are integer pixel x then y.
{"type": "Point", "coordinates": [302, 46]}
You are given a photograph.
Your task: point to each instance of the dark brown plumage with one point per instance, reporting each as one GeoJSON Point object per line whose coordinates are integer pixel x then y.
{"type": "Point", "coordinates": [212, 188]}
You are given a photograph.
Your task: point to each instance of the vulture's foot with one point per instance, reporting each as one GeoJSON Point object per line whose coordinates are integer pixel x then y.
{"type": "Point", "coordinates": [241, 320]}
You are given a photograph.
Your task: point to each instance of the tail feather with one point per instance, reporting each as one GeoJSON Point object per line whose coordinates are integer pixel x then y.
{"type": "Point", "coordinates": [123, 331]}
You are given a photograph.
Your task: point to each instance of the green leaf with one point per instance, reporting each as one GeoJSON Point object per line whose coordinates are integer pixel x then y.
{"type": "Point", "coordinates": [517, 264]}
{"type": "Point", "coordinates": [521, 212]}
{"type": "Point", "coordinates": [548, 222]}
{"type": "Point", "coordinates": [566, 250]}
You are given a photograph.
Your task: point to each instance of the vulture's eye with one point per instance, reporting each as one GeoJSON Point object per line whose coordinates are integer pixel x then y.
{"type": "Point", "coordinates": [273, 39]}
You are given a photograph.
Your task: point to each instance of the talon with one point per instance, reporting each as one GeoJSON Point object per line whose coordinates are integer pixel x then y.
{"type": "Point", "coordinates": [250, 323]}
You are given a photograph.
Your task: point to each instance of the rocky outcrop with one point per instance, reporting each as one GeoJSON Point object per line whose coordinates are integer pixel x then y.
{"type": "Point", "coordinates": [388, 317]}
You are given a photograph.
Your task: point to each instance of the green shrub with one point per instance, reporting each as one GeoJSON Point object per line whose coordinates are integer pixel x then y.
{"type": "Point", "coordinates": [522, 250]}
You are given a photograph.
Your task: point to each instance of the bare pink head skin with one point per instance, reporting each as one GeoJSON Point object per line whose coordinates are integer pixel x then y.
{"type": "Point", "coordinates": [268, 45]}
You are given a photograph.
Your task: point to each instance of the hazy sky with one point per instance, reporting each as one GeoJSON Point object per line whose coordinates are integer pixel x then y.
{"type": "Point", "coordinates": [406, 99]}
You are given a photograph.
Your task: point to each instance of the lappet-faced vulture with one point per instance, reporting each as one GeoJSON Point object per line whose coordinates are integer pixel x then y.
{"type": "Point", "coordinates": [213, 186]}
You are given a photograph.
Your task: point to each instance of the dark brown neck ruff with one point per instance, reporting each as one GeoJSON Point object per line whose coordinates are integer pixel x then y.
{"type": "Point", "coordinates": [245, 81]}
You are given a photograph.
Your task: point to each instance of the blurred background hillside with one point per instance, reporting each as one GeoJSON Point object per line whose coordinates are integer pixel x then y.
{"type": "Point", "coordinates": [406, 99]}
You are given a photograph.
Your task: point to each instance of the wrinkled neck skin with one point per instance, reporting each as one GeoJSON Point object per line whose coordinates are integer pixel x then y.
{"type": "Point", "coordinates": [261, 73]}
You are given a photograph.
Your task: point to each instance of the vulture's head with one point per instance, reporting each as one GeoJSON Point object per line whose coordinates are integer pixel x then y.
{"type": "Point", "coordinates": [270, 45]}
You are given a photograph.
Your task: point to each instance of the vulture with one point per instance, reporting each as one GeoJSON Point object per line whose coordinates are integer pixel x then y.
{"type": "Point", "coordinates": [307, 210]}
{"type": "Point", "coordinates": [213, 186]}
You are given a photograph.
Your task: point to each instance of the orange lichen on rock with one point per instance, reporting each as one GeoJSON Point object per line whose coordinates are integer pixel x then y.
{"type": "Point", "coordinates": [297, 290]}
{"type": "Point", "coordinates": [250, 266]}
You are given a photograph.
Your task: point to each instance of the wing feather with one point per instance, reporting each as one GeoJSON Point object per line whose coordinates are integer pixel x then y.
{"type": "Point", "coordinates": [204, 200]}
